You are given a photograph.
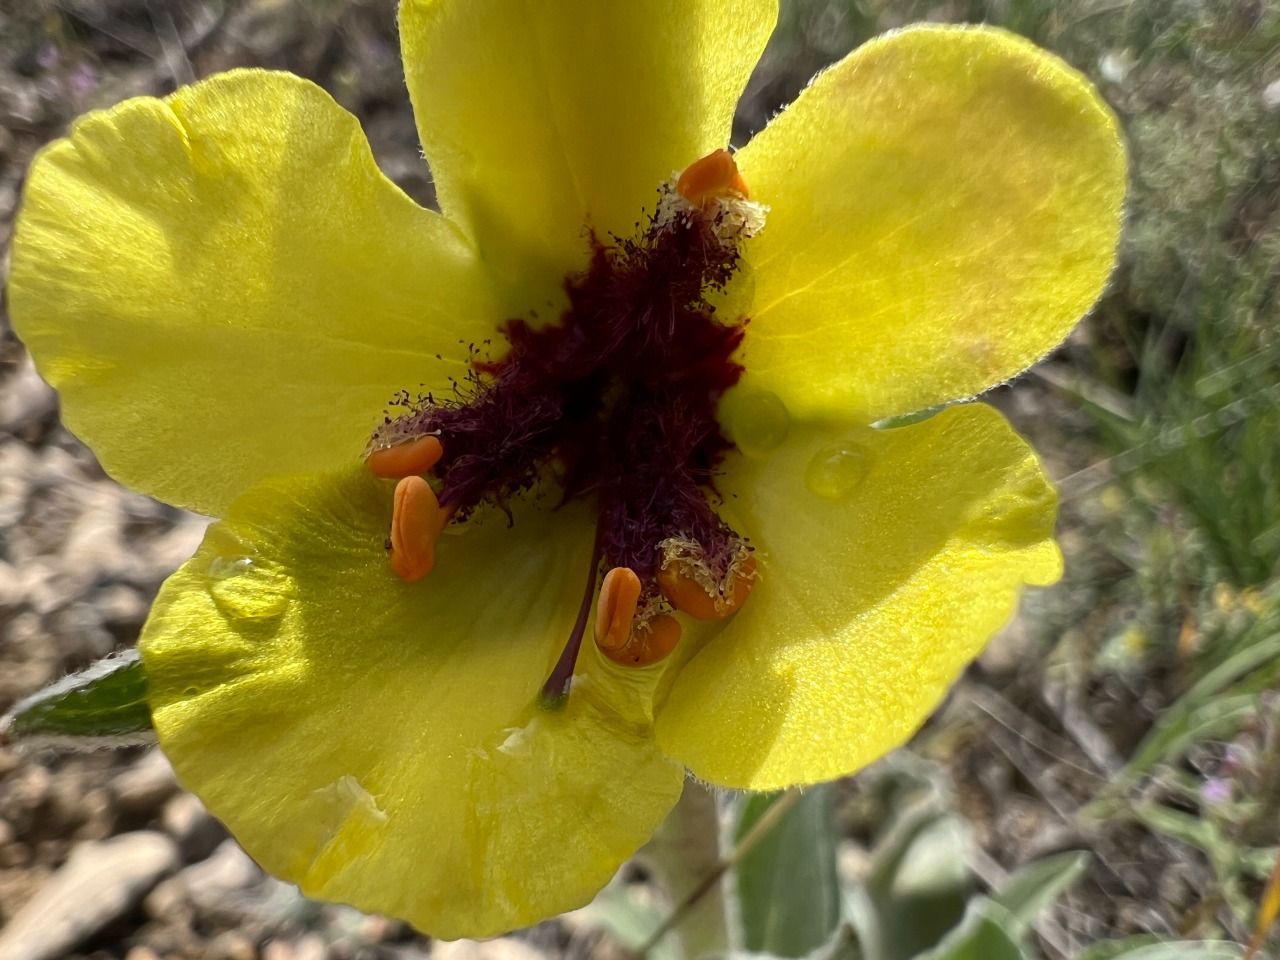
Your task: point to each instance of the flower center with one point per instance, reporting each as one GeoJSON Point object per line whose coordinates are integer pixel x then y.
{"type": "Point", "coordinates": [616, 402]}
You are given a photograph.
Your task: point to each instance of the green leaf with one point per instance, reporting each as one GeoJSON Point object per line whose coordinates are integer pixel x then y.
{"type": "Point", "coordinates": [631, 916]}
{"type": "Point", "coordinates": [103, 705]}
{"type": "Point", "coordinates": [1107, 949]}
{"type": "Point", "coordinates": [1228, 859]}
{"type": "Point", "coordinates": [1212, 707]}
{"type": "Point", "coordinates": [984, 934]}
{"type": "Point", "coordinates": [1146, 948]}
{"type": "Point", "coordinates": [684, 856]}
{"type": "Point", "coordinates": [1037, 885]}
{"type": "Point", "coordinates": [787, 887]}
{"type": "Point", "coordinates": [843, 945]}
{"type": "Point", "coordinates": [918, 885]}
{"type": "Point", "coordinates": [1190, 829]}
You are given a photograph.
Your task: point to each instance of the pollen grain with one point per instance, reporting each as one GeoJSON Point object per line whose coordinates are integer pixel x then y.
{"type": "Point", "coordinates": [684, 592]}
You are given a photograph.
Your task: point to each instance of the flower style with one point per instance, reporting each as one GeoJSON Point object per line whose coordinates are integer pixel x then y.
{"type": "Point", "coordinates": [595, 362]}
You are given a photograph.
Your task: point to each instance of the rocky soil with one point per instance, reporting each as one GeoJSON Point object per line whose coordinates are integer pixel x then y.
{"type": "Point", "coordinates": [103, 856]}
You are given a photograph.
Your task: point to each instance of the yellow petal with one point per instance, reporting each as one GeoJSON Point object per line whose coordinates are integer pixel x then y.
{"type": "Point", "coordinates": [539, 119]}
{"type": "Point", "coordinates": [886, 561]}
{"type": "Point", "coordinates": [378, 742]}
{"type": "Point", "coordinates": [223, 286]}
{"type": "Point", "coordinates": [945, 205]}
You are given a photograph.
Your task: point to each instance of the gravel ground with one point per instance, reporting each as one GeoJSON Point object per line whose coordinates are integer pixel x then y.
{"type": "Point", "coordinates": [103, 856]}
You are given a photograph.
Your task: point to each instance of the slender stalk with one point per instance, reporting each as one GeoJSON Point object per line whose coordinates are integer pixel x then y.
{"type": "Point", "coordinates": [556, 689]}
{"type": "Point", "coordinates": [691, 900]}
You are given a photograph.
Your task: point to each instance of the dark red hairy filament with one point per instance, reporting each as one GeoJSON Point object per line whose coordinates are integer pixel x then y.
{"type": "Point", "coordinates": [617, 399]}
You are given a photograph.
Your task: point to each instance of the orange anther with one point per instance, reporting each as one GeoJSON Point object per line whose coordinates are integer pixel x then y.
{"type": "Point", "coordinates": [688, 596]}
{"type": "Point", "coordinates": [714, 176]}
{"type": "Point", "coordinates": [618, 636]}
{"type": "Point", "coordinates": [616, 608]}
{"type": "Point", "coordinates": [411, 458]}
{"type": "Point", "coordinates": [648, 643]}
{"type": "Point", "coordinates": [416, 522]}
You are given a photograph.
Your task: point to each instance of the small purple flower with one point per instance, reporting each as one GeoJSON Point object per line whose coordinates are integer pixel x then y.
{"type": "Point", "coordinates": [83, 81]}
{"type": "Point", "coordinates": [1216, 791]}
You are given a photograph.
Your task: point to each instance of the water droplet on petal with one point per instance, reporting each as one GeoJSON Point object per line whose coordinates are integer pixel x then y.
{"type": "Point", "coordinates": [758, 422]}
{"type": "Point", "coordinates": [243, 590]}
{"type": "Point", "coordinates": [837, 470]}
{"type": "Point", "coordinates": [248, 601]}
{"type": "Point", "coordinates": [220, 567]}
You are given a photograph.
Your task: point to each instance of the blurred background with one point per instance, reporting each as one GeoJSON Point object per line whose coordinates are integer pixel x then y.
{"type": "Point", "coordinates": [1108, 772]}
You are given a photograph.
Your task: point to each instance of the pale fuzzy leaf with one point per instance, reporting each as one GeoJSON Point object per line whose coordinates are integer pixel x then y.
{"type": "Point", "coordinates": [104, 705]}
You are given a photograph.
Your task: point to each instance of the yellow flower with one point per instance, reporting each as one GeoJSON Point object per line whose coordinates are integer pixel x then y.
{"type": "Point", "coordinates": [228, 293]}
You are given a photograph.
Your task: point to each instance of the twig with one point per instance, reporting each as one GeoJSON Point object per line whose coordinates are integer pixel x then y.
{"type": "Point", "coordinates": [1267, 910]}
{"type": "Point", "coordinates": [990, 872]}
{"type": "Point", "coordinates": [171, 45]}
{"type": "Point", "coordinates": [759, 830]}
{"type": "Point", "coordinates": [1064, 701]}
{"type": "Point", "coordinates": [1025, 728]}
